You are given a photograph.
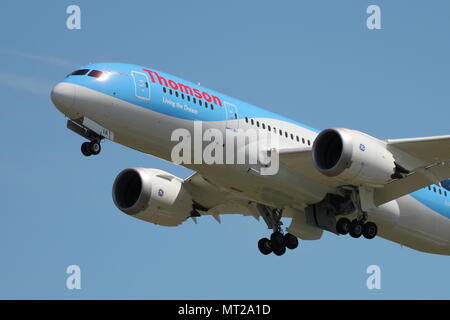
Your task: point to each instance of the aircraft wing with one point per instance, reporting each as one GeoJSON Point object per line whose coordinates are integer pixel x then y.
{"type": "Point", "coordinates": [300, 161]}
{"type": "Point", "coordinates": [428, 150]}
{"type": "Point", "coordinates": [214, 200]}
{"type": "Point", "coordinates": [428, 159]}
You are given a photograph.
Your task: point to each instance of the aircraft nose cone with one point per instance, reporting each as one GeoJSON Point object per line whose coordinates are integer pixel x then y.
{"type": "Point", "coordinates": [63, 96]}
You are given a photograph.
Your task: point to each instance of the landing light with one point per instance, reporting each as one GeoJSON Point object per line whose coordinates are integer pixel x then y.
{"type": "Point", "coordinates": [104, 77]}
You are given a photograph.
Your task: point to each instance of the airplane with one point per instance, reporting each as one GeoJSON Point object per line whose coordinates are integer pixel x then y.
{"type": "Point", "coordinates": [338, 180]}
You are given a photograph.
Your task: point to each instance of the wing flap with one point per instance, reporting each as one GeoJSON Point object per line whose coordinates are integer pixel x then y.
{"type": "Point", "coordinates": [416, 152]}
{"type": "Point", "coordinates": [419, 179]}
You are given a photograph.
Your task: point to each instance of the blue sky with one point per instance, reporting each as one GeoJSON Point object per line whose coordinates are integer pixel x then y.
{"type": "Point", "coordinates": [313, 61]}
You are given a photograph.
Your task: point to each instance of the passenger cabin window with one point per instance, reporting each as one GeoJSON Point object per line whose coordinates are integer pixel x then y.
{"type": "Point", "coordinates": [95, 73]}
{"type": "Point", "coordinates": [80, 72]}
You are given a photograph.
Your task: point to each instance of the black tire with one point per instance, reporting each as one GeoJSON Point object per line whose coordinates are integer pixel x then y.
{"type": "Point", "coordinates": [95, 147]}
{"type": "Point", "coordinates": [290, 241]}
{"type": "Point", "coordinates": [264, 246]}
{"type": "Point", "coordinates": [86, 149]}
{"type": "Point", "coordinates": [343, 226]}
{"type": "Point", "coordinates": [279, 251]}
{"type": "Point", "coordinates": [370, 230]}
{"type": "Point", "coordinates": [356, 229]}
{"type": "Point", "coordinates": [277, 239]}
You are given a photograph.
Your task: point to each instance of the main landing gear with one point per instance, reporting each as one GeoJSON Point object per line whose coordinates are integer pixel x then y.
{"type": "Point", "coordinates": [278, 242]}
{"type": "Point", "coordinates": [91, 148]}
{"type": "Point", "coordinates": [360, 226]}
{"type": "Point", "coordinates": [357, 228]}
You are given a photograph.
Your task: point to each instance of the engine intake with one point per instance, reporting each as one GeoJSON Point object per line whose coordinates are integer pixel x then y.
{"type": "Point", "coordinates": [152, 195]}
{"type": "Point", "coordinates": [128, 192]}
{"type": "Point", "coordinates": [353, 157]}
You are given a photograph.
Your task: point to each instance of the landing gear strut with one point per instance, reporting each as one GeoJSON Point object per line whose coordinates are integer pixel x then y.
{"type": "Point", "coordinates": [91, 148]}
{"type": "Point", "coordinates": [278, 240]}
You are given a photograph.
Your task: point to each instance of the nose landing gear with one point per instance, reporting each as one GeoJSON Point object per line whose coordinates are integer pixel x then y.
{"type": "Point", "coordinates": [91, 131]}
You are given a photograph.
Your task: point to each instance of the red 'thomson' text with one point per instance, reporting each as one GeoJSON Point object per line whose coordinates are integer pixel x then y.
{"type": "Point", "coordinates": [183, 88]}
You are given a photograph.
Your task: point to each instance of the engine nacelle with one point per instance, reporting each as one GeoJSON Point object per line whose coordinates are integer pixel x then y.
{"type": "Point", "coordinates": [152, 195]}
{"type": "Point", "coordinates": [353, 157]}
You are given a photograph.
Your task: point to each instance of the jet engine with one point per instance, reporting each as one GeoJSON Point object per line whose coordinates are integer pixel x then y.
{"type": "Point", "coordinates": [152, 195]}
{"type": "Point", "coordinates": [353, 157]}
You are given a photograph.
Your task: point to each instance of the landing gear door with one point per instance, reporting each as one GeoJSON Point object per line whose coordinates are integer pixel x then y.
{"type": "Point", "coordinates": [232, 116]}
{"type": "Point", "coordinates": [141, 85]}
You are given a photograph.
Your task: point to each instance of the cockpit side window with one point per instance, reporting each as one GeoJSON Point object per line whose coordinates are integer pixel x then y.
{"type": "Point", "coordinates": [80, 72]}
{"type": "Point", "coordinates": [446, 184]}
{"type": "Point", "coordinates": [95, 74]}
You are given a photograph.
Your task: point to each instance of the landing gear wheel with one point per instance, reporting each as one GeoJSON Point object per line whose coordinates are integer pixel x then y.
{"type": "Point", "coordinates": [277, 239]}
{"type": "Point", "coordinates": [279, 251]}
{"type": "Point", "coordinates": [356, 229]}
{"type": "Point", "coordinates": [290, 241]}
{"type": "Point", "coordinates": [343, 226]}
{"type": "Point", "coordinates": [95, 147]}
{"type": "Point", "coordinates": [370, 230]}
{"type": "Point", "coordinates": [86, 149]}
{"type": "Point", "coordinates": [264, 246]}
{"type": "Point", "coordinates": [277, 243]}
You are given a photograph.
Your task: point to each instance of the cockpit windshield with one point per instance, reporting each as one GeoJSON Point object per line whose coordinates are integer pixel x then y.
{"type": "Point", "coordinates": [80, 72]}
{"type": "Point", "coordinates": [95, 74]}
